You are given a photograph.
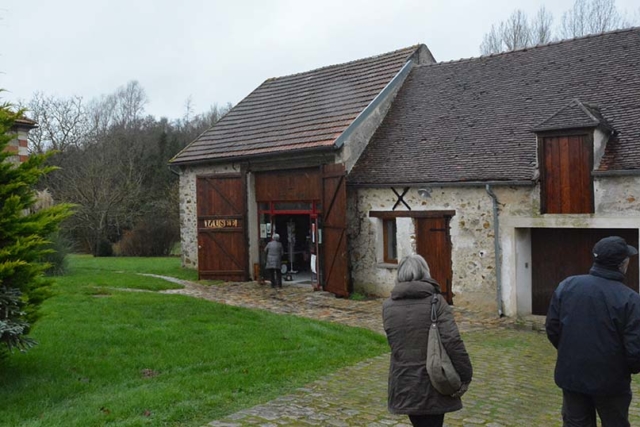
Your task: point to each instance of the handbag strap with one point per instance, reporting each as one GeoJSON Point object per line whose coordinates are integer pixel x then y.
{"type": "Point", "coordinates": [434, 313]}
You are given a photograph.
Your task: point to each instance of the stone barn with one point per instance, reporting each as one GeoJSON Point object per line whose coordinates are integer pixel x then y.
{"type": "Point", "coordinates": [502, 171]}
{"type": "Point", "coordinates": [277, 163]}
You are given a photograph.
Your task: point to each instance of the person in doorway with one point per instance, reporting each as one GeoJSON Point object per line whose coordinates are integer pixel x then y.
{"type": "Point", "coordinates": [274, 253]}
{"type": "Point", "coordinates": [406, 316]}
{"type": "Point", "coordinates": [594, 323]}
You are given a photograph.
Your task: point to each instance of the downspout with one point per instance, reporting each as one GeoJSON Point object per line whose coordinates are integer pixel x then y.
{"type": "Point", "coordinates": [496, 243]}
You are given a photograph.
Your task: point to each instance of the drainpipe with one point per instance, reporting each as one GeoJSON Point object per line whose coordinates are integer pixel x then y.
{"type": "Point", "coordinates": [496, 232]}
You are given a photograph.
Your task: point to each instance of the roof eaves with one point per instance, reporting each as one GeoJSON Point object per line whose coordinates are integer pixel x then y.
{"type": "Point", "coordinates": [519, 183]}
{"type": "Point", "coordinates": [616, 172]}
{"type": "Point", "coordinates": [232, 159]}
{"type": "Point", "coordinates": [24, 122]}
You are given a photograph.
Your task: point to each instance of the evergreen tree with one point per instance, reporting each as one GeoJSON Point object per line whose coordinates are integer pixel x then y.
{"type": "Point", "coordinates": [23, 241]}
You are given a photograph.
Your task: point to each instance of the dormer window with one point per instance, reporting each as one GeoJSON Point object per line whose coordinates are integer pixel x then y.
{"type": "Point", "coordinates": [566, 159]}
{"type": "Point", "coordinates": [566, 184]}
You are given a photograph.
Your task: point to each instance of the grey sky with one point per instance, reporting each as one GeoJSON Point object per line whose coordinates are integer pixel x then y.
{"type": "Point", "coordinates": [219, 51]}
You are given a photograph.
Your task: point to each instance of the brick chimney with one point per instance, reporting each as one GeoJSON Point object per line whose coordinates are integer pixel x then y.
{"type": "Point", "coordinates": [18, 146]}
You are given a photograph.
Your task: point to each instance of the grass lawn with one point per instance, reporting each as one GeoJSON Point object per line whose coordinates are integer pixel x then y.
{"type": "Point", "coordinates": [109, 356]}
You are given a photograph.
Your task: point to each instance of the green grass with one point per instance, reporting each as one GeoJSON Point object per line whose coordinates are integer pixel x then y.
{"type": "Point", "coordinates": [108, 356]}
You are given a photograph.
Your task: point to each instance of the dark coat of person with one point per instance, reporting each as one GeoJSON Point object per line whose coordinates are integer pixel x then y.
{"type": "Point", "coordinates": [406, 316]}
{"type": "Point", "coordinates": [594, 323]}
{"type": "Point", "coordinates": [274, 252]}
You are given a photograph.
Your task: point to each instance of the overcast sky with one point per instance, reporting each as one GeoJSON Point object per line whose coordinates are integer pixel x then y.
{"type": "Point", "coordinates": [219, 51]}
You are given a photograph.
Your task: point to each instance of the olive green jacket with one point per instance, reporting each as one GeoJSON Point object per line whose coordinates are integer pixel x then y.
{"type": "Point", "coordinates": [406, 317]}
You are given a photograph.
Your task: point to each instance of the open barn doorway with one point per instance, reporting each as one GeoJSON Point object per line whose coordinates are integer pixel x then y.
{"type": "Point", "coordinates": [297, 226]}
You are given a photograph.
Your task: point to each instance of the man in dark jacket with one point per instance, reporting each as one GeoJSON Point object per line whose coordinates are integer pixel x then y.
{"type": "Point", "coordinates": [594, 323]}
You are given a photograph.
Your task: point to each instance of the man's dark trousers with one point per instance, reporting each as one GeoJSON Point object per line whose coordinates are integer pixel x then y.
{"type": "Point", "coordinates": [579, 410]}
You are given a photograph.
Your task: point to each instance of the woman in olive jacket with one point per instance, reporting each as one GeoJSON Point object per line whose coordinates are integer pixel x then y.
{"type": "Point", "coordinates": [406, 317]}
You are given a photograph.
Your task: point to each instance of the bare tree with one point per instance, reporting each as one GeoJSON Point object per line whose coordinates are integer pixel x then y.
{"type": "Point", "coordinates": [515, 31]}
{"type": "Point", "coordinates": [585, 17]}
{"type": "Point", "coordinates": [129, 102]}
{"type": "Point", "coordinates": [103, 187]}
{"type": "Point", "coordinates": [113, 166]}
{"type": "Point", "coordinates": [492, 42]}
{"type": "Point", "coordinates": [541, 27]}
{"type": "Point", "coordinates": [62, 122]}
{"type": "Point", "coordinates": [518, 32]}
{"type": "Point", "coordinates": [124, 108]}
{"type": "Point", "coordinates": [104, 174]}
{"type": "Point", "coordinates": [591, 17]}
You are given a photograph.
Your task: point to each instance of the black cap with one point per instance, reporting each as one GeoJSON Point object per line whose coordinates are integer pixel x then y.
{"type": "Point", "coordinates": [612, 250]}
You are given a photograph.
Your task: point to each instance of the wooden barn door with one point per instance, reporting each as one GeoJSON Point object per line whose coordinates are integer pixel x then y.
{"type": "Point", "coordinates": [557, 253]}
{"type": "Point", "coordinates": [334, 229]}
{"type": "Point", "coordinates": [222, 227]}
{"type": "Point", "coordinates": [434, 244]}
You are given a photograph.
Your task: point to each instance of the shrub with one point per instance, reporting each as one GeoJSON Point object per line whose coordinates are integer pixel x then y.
{"type": "Point", "coordinates": [60, 248]}
{"type": "Point", "coordinates": [23, 240]}
{"type": "Point", "coordinates": [155, 233]}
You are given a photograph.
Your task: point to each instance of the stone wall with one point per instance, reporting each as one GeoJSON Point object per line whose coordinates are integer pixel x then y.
{"type": "Point", "coordinates": [472, 236]}
{"type": "Point", "coordinates": [475, 284]}
{"type": "Point", "coordinates": [617, 203]}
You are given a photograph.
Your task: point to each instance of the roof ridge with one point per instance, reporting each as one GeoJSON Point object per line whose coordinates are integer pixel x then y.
{"type": "Point", "coordinates": [413, 48]}
{"type": "Point", "coordinates": [538, 46]}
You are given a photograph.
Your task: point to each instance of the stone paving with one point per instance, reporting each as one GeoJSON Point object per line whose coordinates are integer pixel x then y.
{"type": "Point", "coordinates": [513, 368]}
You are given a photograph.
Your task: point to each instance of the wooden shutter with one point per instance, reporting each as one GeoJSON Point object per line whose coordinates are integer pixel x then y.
{"type": "Point", "coordinates": [334, 229]}
{"type": "Point", "coordinates": [567, 185]}
{"type": "Point", "coordinates": [222, 228]}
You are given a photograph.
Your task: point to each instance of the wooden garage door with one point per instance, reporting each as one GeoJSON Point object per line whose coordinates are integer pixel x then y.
{"type": "Point", "coordinates": [434, 244]}
{"type": "Point", "coordinates": [558, 253]}
{"type": "Point", "coordinates": [222, 234]}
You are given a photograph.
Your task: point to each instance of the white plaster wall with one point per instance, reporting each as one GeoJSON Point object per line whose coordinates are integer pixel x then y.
{"type": "Point", "coordinates": [617, 205]}
{"type": "Point", "coordinates": [252, 223]}
{"type": "Point", "coordinates": [600, 140]}
{"type": "Point", "coordinates": [617, 195]}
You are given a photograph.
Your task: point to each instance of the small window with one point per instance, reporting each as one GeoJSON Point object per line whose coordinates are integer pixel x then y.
{"type": "Point", "coordinates": [389, 238]}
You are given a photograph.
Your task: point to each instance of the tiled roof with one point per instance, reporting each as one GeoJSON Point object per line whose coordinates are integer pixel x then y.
{"type": "Point", "coordinates": [472, 120]}
{"type": "Point", "coordinates": [302, 111]}
{"type": "Point", "coordinates": [576, 115]}
{"type": "Point", "coordinates": [25, 122]}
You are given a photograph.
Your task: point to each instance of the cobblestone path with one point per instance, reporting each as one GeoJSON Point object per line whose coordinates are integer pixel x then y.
{"type": "Point", "coordinates": [300, 300]}
{"type": "Point", "coordinates": [513, 369]}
